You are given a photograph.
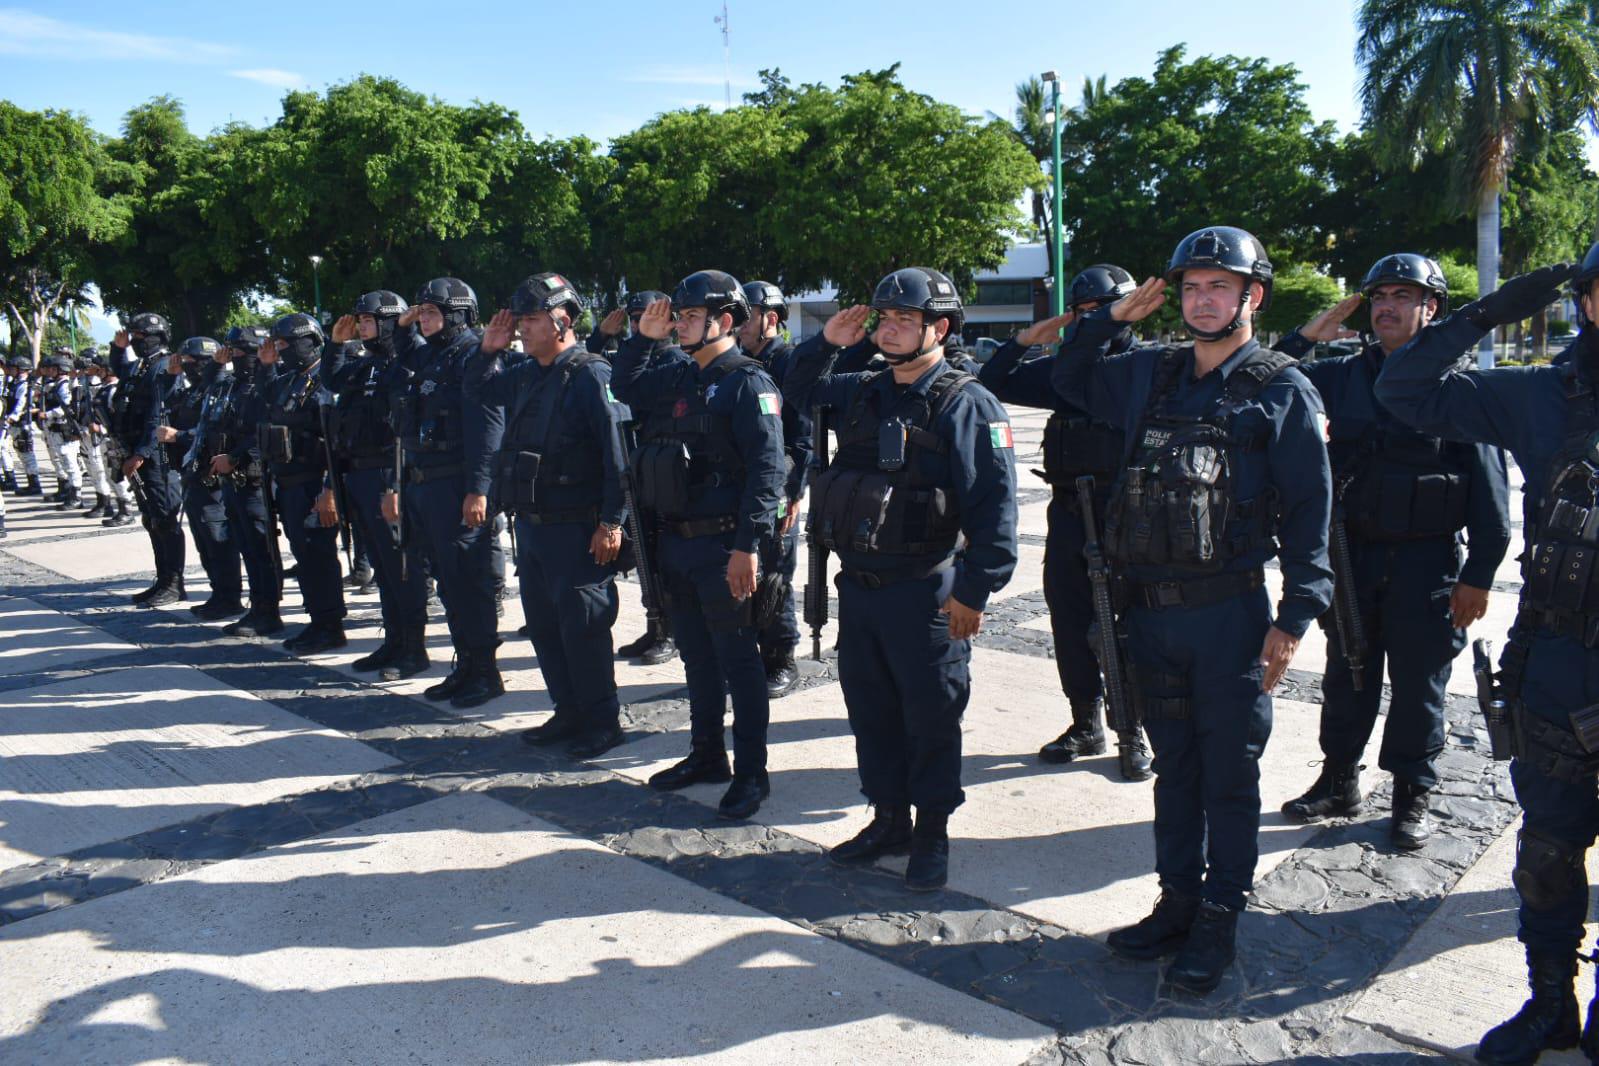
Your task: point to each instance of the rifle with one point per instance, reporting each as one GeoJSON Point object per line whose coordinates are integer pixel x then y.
{"type": "Point", "coordinates": [648, 582]}
{"type": "Point", "coordinates": [401, 538]}
{"type": "Point", "coordinates": [1120, 712]}
{"type": "Point", "coordinates": [336, 480]}
{"type": "Point", "coordinates": [816, 605]}
{"type": "Point", "coordinates": [1346, 604]}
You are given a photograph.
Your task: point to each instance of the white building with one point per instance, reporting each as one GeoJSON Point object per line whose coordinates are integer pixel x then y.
{"type": "Point", "coordinates": [1008, 299]}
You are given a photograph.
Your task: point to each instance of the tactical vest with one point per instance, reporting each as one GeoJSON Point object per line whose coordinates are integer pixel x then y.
{"type": "Point", "coordinates": [865, 502]}
{"type": "Point", "coordinates": [1077, 446]}
{"type": "Point", "coordinates": [184, 414]}
{"type": "Point", "coordinates": [358, 426]}
{"type": "Point", "coordinates": [67, 426]}
{"type": "Point", "coordinates": [1561, 590]}
{"type": "Point", "coordinates": [540, 450]}
{"type": "Point", "coordinates": [288, 434]}
{"type": "Point", "coordinates": [428, 412]}
{"type": "Point", "coordinates": [688, 450]}
{"type": "Point", "coordinates": [131, 405]}
{"type": "Point", "coordinates": [1175, 504]}
{"type": "Point", "coordinates": [1396, 483]}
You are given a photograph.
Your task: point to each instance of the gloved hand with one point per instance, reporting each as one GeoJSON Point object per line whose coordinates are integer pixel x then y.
{"type": "Point", "coordinates": [1520, 297]}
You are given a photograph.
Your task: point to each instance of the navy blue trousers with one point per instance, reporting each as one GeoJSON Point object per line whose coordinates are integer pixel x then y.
{"type": "Point", "coordinates": [783, 635]}
{"type": "Point", "coordinates": [1071, 600]}
{"type": "Point", "coordinates": [208, 523]}
{"type": "Point", "coordinates": [403, 600]}
{"type": "Point", "coordinates": [250, 529]}
{"type": "Point", "coordinates": [315, 548]}
{"type": "Point", "coordinates": [570, 602]}
{"type": "Point", "coordinates": [162, 504]}
{"type": "Point", "coordinates": [458, 559]}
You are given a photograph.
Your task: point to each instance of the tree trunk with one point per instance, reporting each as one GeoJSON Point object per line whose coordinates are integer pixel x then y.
{"type": "Point", "coordinates": [1540, 334]}
{"type": "Point", "coordinates": [1487, 262]}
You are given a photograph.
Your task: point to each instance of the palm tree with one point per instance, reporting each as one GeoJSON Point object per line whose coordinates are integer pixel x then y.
{"type": "Point", "coordinates": [1462, 77]}
{"type": "Point", "coordinates": [1037, 135]}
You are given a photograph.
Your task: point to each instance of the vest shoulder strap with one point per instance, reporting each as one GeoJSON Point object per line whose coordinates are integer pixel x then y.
{"type": "Point", "coordinates": [1251, 377]}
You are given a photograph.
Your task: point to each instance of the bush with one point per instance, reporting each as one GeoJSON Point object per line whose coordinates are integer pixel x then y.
{"type": "Point", "coordinates": [1559, 327]}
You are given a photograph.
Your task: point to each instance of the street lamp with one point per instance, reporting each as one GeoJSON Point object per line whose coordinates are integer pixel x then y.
{"type": "Point", "coordinates": [1056, 244]}
{"type": "Point", "coordinates": [316, 276]}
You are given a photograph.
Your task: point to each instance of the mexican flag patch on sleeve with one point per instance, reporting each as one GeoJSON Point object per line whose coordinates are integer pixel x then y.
{"type": "Point", "coordinates": [771, 403]}
{"type": "Point", "coordinates": [999, 435]}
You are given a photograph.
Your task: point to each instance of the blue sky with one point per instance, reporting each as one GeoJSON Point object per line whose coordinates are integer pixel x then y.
{"type": "Point", "coordinates": [604, 67]}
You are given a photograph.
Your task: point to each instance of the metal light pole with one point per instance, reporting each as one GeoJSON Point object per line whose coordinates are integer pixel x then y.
{"type": "Point", "coordinates": [1057, 245]}
{"type": "Point", "coordinates": [316, 282]}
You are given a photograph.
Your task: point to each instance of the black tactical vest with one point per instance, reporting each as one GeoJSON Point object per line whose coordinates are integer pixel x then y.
{"type": "Point", "coordinates": [1077, 446]}
{"type": "Point", "coordinates": [428, 412]}
{"type": "Point", "coordinates": [289, 433]}
{"type": "Point", "coordinates": [867, 501]}
{"type": "Point", "coordinates": [1175, 504]}
{"type": "Point", "coordinates": [688, 449]}
{"type": "Point", "coordinates": [540, 449]}
{"type": "Point", "coordinates": [1396, 483]}
{"type": "Point", "coordinates": [1561, 578]}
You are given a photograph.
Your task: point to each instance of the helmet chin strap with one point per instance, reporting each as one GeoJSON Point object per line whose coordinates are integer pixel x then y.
{"type": "Point", "coordinates": [926, 348]}
{"type": "Point", "coordinates": [1228, 331]}
{"type": "Point", "coordinates": [705, 337]}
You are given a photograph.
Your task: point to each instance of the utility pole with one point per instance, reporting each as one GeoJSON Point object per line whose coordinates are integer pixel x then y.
{"type": "Point", "coordinates": [316, 283]}
{"type": "Point", "coordinates": [727, 57]}
{"type": "Point", "coordinates": [1056, 243]}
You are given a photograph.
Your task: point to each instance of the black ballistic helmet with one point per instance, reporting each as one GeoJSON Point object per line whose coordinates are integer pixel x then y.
{"type": "Point", "coordinates": [450, 295]}
{"type": "Point", "coordinates": [1586, 274]}
{"type": "Point", "coordinates": [546, 292]}
{"type": "Point", "coordinates": [924, 290]}
{"type": "Point", "coordinates": [293, 327]}
{"type": "Point", "coordinates": [764, 296]}
{"type": "Point", "coordinates": [21, 362]}
{"type": "Point", "coordinates": [86, 363]}
{"type": "Point", "coordinates": [60, 359]}
{"type": "Point", "coordinates": [91, 354]}
{"type": "Point", "coordinates": [639, 302]}
{"type": "Point", "coordinates": [62, 349]}
{"type": "Point", "coordinates": [150, 324]}
{"type": "Point", "coordinates": [246, 338]}
{"type": "Point", "coordinates": [380, 304]}
{"type": "Point", "coordinates": [203, 348]}
{"type": "Point", "coordinates": [1223, 248]}
{"type": "Point", "coordinates": [1407, 268]}
{"type": "Point", "coordinates": [715, 291]}
{"type": "Point", "coordinates": [1102, 283]}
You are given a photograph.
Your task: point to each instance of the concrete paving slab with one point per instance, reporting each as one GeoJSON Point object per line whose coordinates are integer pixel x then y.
{"type": "Point", "coordinates": [1029, 573]}
{"type": "Point", "coordinates": [1069, 845]}
{"type": "Point", "coordinates": [34, 638]}
{"type": "Point", "coordinates": [41, 522]}
{"type": "Point", "coordinates": [1464, 971]}
{"type": "Point", "coordinates": [1033, 519]}
{"type": "Point", "coordinates": [94, 558]}
{"type": "Point", "coordinates": [464, 930]}
{"type": "Point", "coordinates": [107, 756]}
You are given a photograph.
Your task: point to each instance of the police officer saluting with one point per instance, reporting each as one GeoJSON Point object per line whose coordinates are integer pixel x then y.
{"type": "Point", "coordinates": [1401, 499]}
{"type": "Point", "coordinates": [920, 506]}
{"type": "Point", "coordinates": [712, 469]}
{"type": "Point", "coordinates": [1547, 417]}
{"type": "Point", "coordinates": [291, 443]}
{"type": "Point", "coordinates": [760, 337]}
{"type": "Point", "coordinates": [1226, 462]}
{"type": "Point", "coordinates": [146, 388]}
{"type": "Point", "coordinates": [1075, 446]}
{"type": "Point", "coordinates": [363, 446]}
{"type": "Point", "coordinates": [246, 492]}
{"type": "Point", "coordinates": [559, 478]}
{"type": "Point", "coordinates": [448, 470]}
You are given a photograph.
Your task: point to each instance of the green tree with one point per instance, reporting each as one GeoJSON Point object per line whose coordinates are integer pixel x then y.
{"type": "Point", "coordinates": [1299, 292]}
{"type": "Point", "coordinates": [1551, 206]}
{"type": "Point", "coordinates": [53, 211]}
{"type": "Point", "coordinates": [1463, 78]}
{"type": "Point", "coordinates": [1213, 141]}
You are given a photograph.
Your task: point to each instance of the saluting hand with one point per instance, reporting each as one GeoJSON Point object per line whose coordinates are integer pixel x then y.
{"type": "Point", "coordinates": [497, 334]}
{"type": "Point", "coordinates": [963, 621]}
{"type": "Point", "coordinates": [612, 323]}
{"type": "Point", "coordinates": [1143, 302]}
{"type": "Point", "coordinates": [848, 326]}
{"type": "Point", "coordinates": [1047, 331]}
{"type": "Point", "coordinates": [1329, 325]}
{"type": "Point", "coordinates": [121, 340]}
{"type": "Point", "coordinates": [346, 329]}
{"type": "Point", "coordinates": [410, 315]}
{"type": "Point", "coordinates": [656, 322]}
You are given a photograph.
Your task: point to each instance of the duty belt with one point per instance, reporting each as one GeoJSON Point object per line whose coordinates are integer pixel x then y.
{"type": "Point", "coordinates": [589, 515]}
{"type": "Point", "coordinates": [368, 462]}
{"type": "Point", "coordinates": [420, 475]}
{"type": "Point", "coordinates": [689, 528]}
{"type": "Point", "coordinates": [288, 481]}
{"type": "Point", "coordinates": [1580, 627]}
{"type": "Point", "coordinates": [1553, 751]}
{"type": "Point", "coordinates": [1194, 592]}
{"type": "Point", "coordinates": [876, 579]}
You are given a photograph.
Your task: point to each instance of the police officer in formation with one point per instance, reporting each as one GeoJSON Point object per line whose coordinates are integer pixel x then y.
{"type": "Point", "coordinates": [290, 435]}
{"type": "Point", "coordinates": [238, 461]}
{"type": "Point", "coordinates": [654, 646]}
{"type": "Point", "coordinates": [448, 468]}
{"type": "Point", "coordinates": [920, 506]}
{"type": "Point", "coordinates": [139, 357]}
{"type": "Point", "coordinates": [1547, 418]}
{"type": "Point", "coordinates": [761, 339]}
{"type": "Point", "coordinates": [364, 448]}
{"type": "Point", "coordinates": [1227, 467]}
{"type": "Point", "coordinates": [712, 470]}
{"type": "Point", "coordinates": [191, 428]}
{"type": "Point", "coordinates": [559, 476]}
{"type": "Point", "coordinates": [58, 419]}
{"type": "Point", "coordinates": [18, 405]}
{"type": "Point", "coordinates": [1075, 445]}
{"type": "Point", "coordinates": [1401, 499]}
{"type": "Point", "coordinates": [92, 415]}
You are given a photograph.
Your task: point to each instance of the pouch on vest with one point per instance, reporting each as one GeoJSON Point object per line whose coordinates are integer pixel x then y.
{"type": "Point", "coordinates": [518, 472]}
{"type": "Point", "coordinates": [274, 442]}
{"type": "Point", "coordinates": [1075, 446]}
{"type": "Point", "coordinates": [662, 470]}
{"type": "Point", "coordinates": [853, 505]}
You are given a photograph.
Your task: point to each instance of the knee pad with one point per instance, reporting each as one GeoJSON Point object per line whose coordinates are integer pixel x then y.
{"type": "Point", "coordinates": [1548, 872]}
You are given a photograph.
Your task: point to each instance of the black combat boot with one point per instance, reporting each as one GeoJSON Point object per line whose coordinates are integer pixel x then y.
{"type": "Point", "coordinates": [1132, 755]}
{"type": "Point", "coordinates": [455, 681]}
{"type": "Point", "coordinates": [1411, 828]}
{"type": "Point", "coordinates": [217, 608]}
{"type": "Point", "coordinates": [1210, 948]}
{"type": "Point", "coordinates": [1084, 738]}
{"type": "Point", "coordinates": [8, 482]}
{"type": "Point", "coordinates": [318, 637]}
{"type": "Point", "coordinates": [781, 674]}
{"type": "Point", "coordinates": [558, 727]}
{"type": "Point", "coordinates": [485, 683]}
{"type": "Point", "coordinates": [102, 506]}
{"type": "Point", "coordinates": [592, 743]}
{"type": "Point", "coordinates": [888, 833]}
{"type": "Point", "coordinates": [33, 488]}
{"type": "Point", "coordinates": [71, 501]}
{"type": "Point", "coordinates": [411, 659]}
{"type": "Point", "coordinates": [1546, 1022]}
{"type": "Point", "coordinates": [928, 868]}
{"type": "Point", "coordinates": [122, 517]}
{"type": "Point", "coordinates": [382, 655]}
{"type": "Point", "coordinates": [744, 796]}
{"type": "Point", "coordinates": [1163, 932]}
{"type": "Point", "coordinates": [707, 762]}
{"type": "Point", "coordinates": [257, 622]}
{"type": "Point", "coordinates": [1336, 794]}
{"type": "Point", "coordinates": [360, 576]}
{"type": "Point", "coordinates": [169, 591]}
{"type": "Point", "coordinates": [653, 648]}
